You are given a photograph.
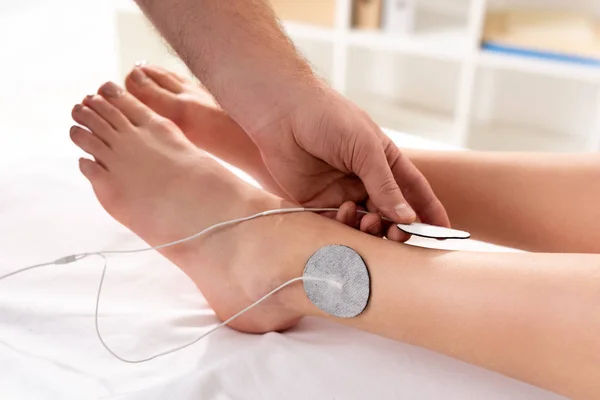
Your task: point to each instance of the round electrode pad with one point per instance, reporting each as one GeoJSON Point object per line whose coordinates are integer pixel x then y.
{"type": "Point", "coordinates": [336, 280]}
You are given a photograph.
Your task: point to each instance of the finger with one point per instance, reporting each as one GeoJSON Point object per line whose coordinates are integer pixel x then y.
{"type": "Point", "coordinates": [347, 214]}
{"type": "Point", "coordinates": [396, 235]}
{"type": "Point", "coordinates": [415, 188]}
{"type": "Point", "coordinates": [371, 224]}
{"type": "Point", "coordinates": [343, 189]}
{"type": "Point", "coordinates": [370, 206]}
{"type": "Point", "coordinates": [371, 165]}
{"type": "Point", "coordinates": [392, 232]}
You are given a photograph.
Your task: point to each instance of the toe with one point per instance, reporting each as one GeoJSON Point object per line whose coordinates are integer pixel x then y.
{"type": "Point", "coordinates": [90, 119]}
{"type": "Point", "coordinates": [93, 171]}
{"type": "Point", "coordinates": [166, 79]}
{"type": "Point", "coordinates": [137, 112]}
{"type": "Point", "coordinates": [146, 89]}
{"type": "Point", "coordinates": [90, 143]}
{"type": "Point", "coordinates": [111, 114]}
{"type": "Point", "coordinates": [396, 235]}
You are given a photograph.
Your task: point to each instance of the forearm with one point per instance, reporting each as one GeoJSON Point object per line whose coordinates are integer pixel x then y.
{"type": "Point", "coordinates": [534, 317]}
{"type": "Point", "coordinates": [536, 202]}
{"type": "Point", "coordinates": [238, 51]}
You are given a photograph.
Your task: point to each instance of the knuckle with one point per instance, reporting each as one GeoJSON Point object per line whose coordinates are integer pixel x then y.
{"type": "Point", "coordinates": [363, 151]}
{"type": "Point", "coordinates": [388, 186]}
{"type": "Point", "coordinates": [414, 185]}
{"type": "Point", "coordinates": [392, 153]}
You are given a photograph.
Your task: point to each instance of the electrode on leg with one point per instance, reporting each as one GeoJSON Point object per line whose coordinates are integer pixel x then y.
{"type": "Point", "coordinates": [336, 280]}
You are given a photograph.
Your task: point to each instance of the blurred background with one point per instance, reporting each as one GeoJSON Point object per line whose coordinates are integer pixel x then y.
{"type": "Point", "coordinates": [482, 74]}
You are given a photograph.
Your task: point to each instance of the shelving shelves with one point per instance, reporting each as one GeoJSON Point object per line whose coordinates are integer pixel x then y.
{"type": "Point", "coordinates": [448, 44]}
{"type": "Point", "coordinates": [456, 45]}
{"type": "Point", "coordinates": [406, 117]}
{"type": "Point", "coordinates": [437, 83]}
{"type": "Point", "coordinates": [553, 69]}
{"type": "Point", "coordinates": [299, 30]}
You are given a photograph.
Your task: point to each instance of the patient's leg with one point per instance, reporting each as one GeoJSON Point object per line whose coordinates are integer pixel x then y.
{"type": "Point", "coordinates": [535, 317]}
{"type": "Point", "coordinates": [537, 202]}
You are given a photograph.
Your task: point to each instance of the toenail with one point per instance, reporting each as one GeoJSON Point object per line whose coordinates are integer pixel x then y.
{"type": "Point", "coordinates": [141, 63]}
{"type": "Point", "coordinates": [77, 108]}
{"type": "Point", "coordinates": [138, 76]}
{"type": "Point", "coordinates": [110, 89]}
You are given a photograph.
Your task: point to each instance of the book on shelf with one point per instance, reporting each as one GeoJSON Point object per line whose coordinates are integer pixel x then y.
{"type": "Point", "coordinates": [558, 36]}
{"type": "Point", "coordinates": [314, 12]}
{"type": "Point", "coordinates": [366, 14]}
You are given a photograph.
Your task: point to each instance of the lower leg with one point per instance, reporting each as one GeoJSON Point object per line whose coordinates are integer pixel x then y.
{"type": "Point", "coordinates": [536, 202]}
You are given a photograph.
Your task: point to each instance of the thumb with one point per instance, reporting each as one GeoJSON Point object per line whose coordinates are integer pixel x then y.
{"type": "Point", "coordinates": [373, 169]}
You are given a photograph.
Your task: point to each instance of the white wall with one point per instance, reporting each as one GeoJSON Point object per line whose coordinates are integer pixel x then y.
{"type": "Point", "coordinates": [52, 54]}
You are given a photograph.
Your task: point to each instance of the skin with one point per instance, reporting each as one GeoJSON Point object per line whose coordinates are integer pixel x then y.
{"type": "Point", "coordinates": [534, 317]}
{"type": "Point", "coordinates": [318, 147]}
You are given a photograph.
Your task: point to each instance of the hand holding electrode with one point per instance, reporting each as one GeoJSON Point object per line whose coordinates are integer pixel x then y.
{"type": "Point", "coordinates": [328, 151]}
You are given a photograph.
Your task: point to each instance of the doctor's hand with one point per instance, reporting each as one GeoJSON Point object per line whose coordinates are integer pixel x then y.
{"type": "Point", "coordinates": [327, 151]}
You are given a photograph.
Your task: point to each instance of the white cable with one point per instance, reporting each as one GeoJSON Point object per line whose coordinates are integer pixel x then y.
{"type": "Point", "coordinates": [76, 257]}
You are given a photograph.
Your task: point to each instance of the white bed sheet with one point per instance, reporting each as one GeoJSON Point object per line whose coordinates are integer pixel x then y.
{"type": "Point", "coordinates": [49, 350]}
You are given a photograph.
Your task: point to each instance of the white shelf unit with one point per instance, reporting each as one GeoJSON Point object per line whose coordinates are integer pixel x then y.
{"type": "Point", "coordinates": [437, 82]}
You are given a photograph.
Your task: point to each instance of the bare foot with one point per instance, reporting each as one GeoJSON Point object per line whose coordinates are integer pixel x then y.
{"type": "Point", "coordinates": [206, 125]}
{"type": "Point", "coordinates": [197, 114]}
{"type": "Point", "coordinates": [173, 96]}
{"type": "Point", "coordinates": [149, 177]}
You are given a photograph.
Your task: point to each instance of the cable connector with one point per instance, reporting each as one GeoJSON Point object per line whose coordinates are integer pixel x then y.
{"type": "Point", "coordinates": [67, 260]}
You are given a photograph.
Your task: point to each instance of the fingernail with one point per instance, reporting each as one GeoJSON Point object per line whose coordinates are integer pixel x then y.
{"type": "Point", "coordinates": [77, 108]}
{"type": "Point", "coordinates": [141, 63]}
{"type": "Point", "coordinates": [138, 76]}
{"type": "Point", "coordinates": [404, 212]}
{"type": "Point", "coordinates": [110, 89]}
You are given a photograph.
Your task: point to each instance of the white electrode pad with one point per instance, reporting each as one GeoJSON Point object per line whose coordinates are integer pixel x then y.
{"type": "Point", "coordinates": [433, 232]}
{"type": "Point", "coordinates": [337, 281]}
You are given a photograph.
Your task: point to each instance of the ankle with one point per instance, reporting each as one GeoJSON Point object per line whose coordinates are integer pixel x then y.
{"type": "Point", "coordinates": [281, 244]}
